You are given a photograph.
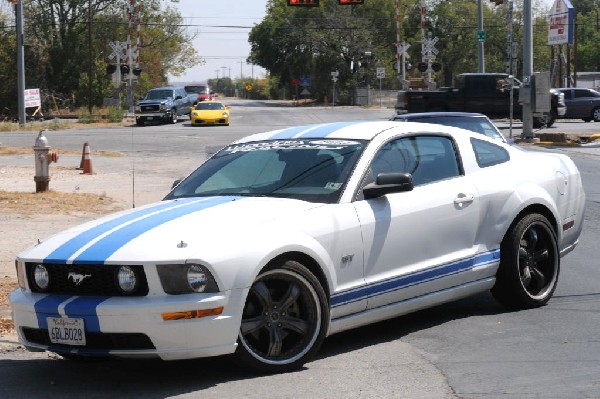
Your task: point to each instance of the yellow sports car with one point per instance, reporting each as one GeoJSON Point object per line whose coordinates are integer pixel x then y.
{"type": "Point", "coordinates": [210, 113]}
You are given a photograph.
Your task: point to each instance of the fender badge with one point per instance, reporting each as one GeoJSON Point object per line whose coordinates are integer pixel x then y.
{"type": "Point", "coordinates": [182, 244]}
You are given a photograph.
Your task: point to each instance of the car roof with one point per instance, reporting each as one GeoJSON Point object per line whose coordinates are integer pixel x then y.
{"type": "Point", "coordinates": [352, 130]}
{"type": "Point", "coordinates": [423, 115]}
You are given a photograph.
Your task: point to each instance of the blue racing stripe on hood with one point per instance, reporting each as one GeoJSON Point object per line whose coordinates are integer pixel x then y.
{"type": "Point", "coordinates": [65, 251]}
{"type": "Point", "coordinates": [291, 132]}
{"type": "Point", "coordinates": [101, 250]}
{"type": "Point", "coordinates": [326, 130]}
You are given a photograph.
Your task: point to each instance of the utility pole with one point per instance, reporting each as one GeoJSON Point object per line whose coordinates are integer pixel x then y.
{"type": "Point", "coordinates": [480, 43]}
{"type": "Point", "coordinates": [20, 62]}
{"type": "Point", "coordinates": [527, 71]}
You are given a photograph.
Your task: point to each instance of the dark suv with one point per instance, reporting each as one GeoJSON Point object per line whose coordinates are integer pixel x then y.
{"type": "Point", "coordinates": [202, 90]}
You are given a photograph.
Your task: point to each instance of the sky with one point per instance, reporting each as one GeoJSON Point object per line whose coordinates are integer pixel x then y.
{"type": "Point", "coordinates": [221, 29]}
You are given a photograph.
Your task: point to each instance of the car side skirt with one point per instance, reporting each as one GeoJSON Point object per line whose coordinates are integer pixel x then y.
{"type": "Point", "coordinates": [410, 305]}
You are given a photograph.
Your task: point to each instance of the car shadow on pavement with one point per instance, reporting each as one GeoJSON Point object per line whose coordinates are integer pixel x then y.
{"type": "Point", "coordinates": [49, 375]}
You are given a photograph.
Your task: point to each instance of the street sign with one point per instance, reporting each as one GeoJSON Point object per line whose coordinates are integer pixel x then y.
{"type": "Point", "coordinates": [380, 73]}
{"type": "Point", "coordinates": [305, 80]}
{"type": "Point", "coordinates": [481, 36]}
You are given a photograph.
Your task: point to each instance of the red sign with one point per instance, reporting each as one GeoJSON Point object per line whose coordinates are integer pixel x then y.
{"type": "Point", "coordinates": [295, 82]}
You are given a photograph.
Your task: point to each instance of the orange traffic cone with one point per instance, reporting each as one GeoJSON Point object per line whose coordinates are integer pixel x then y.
{"type": "Point", "coordinates": [87, 161]}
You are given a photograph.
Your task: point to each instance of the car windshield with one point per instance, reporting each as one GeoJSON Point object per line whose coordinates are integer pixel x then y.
{"type": "Point", "coordinates": [312, 170]}
{"type": "Point", "coordinates": [196, 89]}
{"type": "Point", "coordinates": [209, 106]}
{"type": "Point", "coordinates": [159, 94]}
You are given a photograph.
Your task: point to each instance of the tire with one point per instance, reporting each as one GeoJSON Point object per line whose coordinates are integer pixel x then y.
{"type": "Point", "coordinates": [596, 114]}
{"type": "Point", "coordinates": [540, 121]}
{"type": "Point", "coordinates": [284, 321]}
{"type": "Point", "coordinates": [529, 264]}
{"type": "Point", "coordinates": [139, 122]}
{"type": "Point", "coordinates": [174, 118]}
{"type": "Point", "coordinates": [551, 118]}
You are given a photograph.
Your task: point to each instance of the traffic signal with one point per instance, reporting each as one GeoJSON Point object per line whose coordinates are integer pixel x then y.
{"type": "Point", "coordinates": [350, 2]}
{"type": "Point", "coordinates": [303, 3]}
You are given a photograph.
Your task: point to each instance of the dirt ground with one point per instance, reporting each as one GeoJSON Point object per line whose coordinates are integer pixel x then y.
{"type": "Point", "coordinates": [74, 198]}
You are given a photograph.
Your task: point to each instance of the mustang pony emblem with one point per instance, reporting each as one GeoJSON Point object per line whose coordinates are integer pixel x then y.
{"type": "Point", "coordinates": [77, 277]}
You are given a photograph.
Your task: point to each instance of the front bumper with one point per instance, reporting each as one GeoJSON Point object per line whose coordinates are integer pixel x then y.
{"type": "Point", "coordinates": [132, 326]}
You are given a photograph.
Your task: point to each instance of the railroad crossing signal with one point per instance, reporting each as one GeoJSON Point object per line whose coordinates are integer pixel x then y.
{"type": "Point", "coordinates": [429, 51]}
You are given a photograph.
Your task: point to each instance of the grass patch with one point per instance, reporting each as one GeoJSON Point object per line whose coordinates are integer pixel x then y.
{"type": "Point", "coordinates": [49, 202]}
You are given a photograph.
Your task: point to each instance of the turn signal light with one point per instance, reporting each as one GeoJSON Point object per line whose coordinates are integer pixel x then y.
{"type": "Point", "coordinates": [192, 314]}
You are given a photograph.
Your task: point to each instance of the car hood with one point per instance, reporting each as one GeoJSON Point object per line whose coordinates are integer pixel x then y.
{"type": "Point", "coordinates": [210, 113]}
{"type": "Point", "coordinates": [165, 231]}
{"type": "Point", "coordinates": [158, 100]}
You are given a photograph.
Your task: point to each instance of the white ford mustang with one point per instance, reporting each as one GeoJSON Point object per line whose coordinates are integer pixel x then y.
{"type": "Point", "coordinates": [285, 237]}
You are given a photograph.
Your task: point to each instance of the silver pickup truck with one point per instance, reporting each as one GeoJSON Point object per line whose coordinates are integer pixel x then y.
{"type": "Point", "coordinates": [164, 105]}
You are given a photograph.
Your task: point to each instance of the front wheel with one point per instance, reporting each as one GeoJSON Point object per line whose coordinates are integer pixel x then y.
{"type": "Point", "coordinates": [596, 114]}
{"type": "Point", "coordinates": [173, 116]}
{"type": "Point", "coordinates": [529, 264]}
{"type": "Point", "coordinates": [284, 321]}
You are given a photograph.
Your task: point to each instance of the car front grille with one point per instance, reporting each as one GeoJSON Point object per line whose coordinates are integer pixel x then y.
{"type": "Point", "coordinates": [86, 280]}
{"type": "Point", "coordinates": [150, 108]}
{"type": "Point", "coordinates": [97, 341]}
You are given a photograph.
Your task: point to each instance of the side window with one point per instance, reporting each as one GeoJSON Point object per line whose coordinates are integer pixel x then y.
{"type": "Point", "coordinates": [426, 158]}
{"type": "Point", "coordinates": [488, 154]}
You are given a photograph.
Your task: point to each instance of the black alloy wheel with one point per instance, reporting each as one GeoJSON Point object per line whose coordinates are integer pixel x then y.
{"type": "Point", "coordinates": [284, 320]}
{"type": "Point", "coordinates": [529, 264]}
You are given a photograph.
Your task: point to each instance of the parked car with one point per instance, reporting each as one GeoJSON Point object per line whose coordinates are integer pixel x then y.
{"type": "Point", "coordinates": [283, 238]}
{"type": "Point", "coordinates": [210, 113]}
{"type": "Point", "coordinates": [581, 103]}
{"type": "Point", "coordinates": [163, 104]}
{"type": "Point", "coordinates": [201, 90]}
{"type": "Point", "coordinates": [466, 120]}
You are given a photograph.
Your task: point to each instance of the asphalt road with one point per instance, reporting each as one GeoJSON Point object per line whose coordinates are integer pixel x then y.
{"type": "Point", "coordinates": [471, 348]}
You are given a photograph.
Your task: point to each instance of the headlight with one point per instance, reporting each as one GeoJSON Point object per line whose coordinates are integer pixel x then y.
{"type": "Point", "coordinates": [138, 108]}
{"type": "Point", "coordinates": [41, 278]}
{"type": "Point", "coordinates": [197, 278]}
{"type": "Point", "coordinates": [163, 107]}
{"type": "Point", "coordinates": [126, 279]}
{"type": "Point", "coordinates": [225, 114]}
{"type": "Point", "coordinates": [185, 279]}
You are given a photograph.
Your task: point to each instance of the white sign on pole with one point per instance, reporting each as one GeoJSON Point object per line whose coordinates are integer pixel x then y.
{"type": "Point", "coordinates": [380, 73]}
{"type": "Point", "coordinates": [32, 98]}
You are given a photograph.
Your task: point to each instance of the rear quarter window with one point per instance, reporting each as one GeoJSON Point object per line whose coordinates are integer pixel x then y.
{"type": "Point", "coordinates": [488, 154]}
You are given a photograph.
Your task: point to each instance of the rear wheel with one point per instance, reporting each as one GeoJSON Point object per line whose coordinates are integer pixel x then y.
{"type": "Point", "coordinates": [529, 264]}
{"type": "Point", "coordinates": [284, 321]}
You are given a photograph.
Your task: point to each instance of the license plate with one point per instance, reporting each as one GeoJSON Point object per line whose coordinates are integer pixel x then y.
{"type": "Point", "coordinates": [68, 331]}
{"type": "Point", "coordinates": [150, 118]}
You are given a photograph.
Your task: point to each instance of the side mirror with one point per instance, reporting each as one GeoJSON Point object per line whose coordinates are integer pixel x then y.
{"type": "Point", "coordinates": [387, 183]}
{"type": "Point", "coordinates": [176, 183]}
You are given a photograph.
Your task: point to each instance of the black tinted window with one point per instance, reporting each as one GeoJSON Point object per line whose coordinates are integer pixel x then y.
{"type": "Point", "coordinates": [488, 154]}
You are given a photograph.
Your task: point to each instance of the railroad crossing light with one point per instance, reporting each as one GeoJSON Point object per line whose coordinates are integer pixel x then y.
{"type": "Point", "coordinates": [110, 69]}
{"type": "Point", "coordinates": [436, 66]}
{"type": "Point", "coordinates": [421, 66]}
{"type": "Point", "coordinates": [350, 2]}
{"type": "Point", "coordinates": [124, 69]}
{"type": "Point", "coordinates": [497, 2]}
{"type": "Point", "coordinates": [137, 71]}
{"type": "Point", "coordinates": [303, 3]}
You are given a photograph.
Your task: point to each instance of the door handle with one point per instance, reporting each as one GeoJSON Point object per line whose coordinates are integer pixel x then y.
{"type": "Point", "coordinates": [464, 199]}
